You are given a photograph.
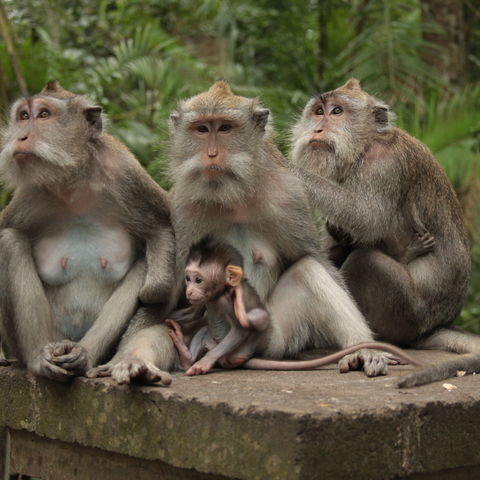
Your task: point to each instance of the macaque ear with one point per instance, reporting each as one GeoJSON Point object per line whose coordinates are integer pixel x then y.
{"type": "Point", "coordinates": [52, 86]}
{"type": "Point", "coordinates": [352, 84]}
{"type": "Point", "coordinates": [175, 119]}
{"type": "Point", "coordinates": [260, 117]}
{"type": "Point", "coordinates": [381, 115]}
{"type": "Point", "coordinates": [93, 115]}
{"type": "Point", "coordinates": [234, 275]}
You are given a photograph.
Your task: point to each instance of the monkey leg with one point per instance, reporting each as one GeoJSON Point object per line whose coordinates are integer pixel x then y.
{"type": "Point", "coordinates": [386, 294]}
{"type": "Point", "coordinates": [309, 307]}
{"type": "Point", "coordinates": [145, 353]}
{"type": "Point", "coordinates": [25, 317]}
{"type": "Point", "coordinates": [234, 338]}
{"type": "Point", "coordinates": [176, 335]}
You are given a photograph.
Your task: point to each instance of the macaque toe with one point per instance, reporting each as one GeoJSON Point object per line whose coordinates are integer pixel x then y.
{"type": "Point", "coordinates": [141, 371]}
{"type": "Point", "coordinates": [197, 369]}
{"type": "Point", "coordinates": [374, 363]}
{"type": "Point", "coordinates": [100, 371]}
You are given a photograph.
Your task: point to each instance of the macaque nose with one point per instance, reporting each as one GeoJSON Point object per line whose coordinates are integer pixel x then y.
{"type": "Point", "coordinates": [212, 153]}
{"type": "Point", "coordinates": [22, 139]}
{"type": "Point", "coordinates": [318, 129]}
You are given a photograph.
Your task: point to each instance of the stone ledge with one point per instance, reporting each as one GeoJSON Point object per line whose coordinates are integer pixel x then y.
{"type": "Point", "coordinates": [261, 425]}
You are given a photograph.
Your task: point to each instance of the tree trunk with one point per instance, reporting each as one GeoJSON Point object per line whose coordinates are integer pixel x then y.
{"type": "Point", "coordinates": [5, 31]}
{"type": "Point", "coordinates": [448, 17]}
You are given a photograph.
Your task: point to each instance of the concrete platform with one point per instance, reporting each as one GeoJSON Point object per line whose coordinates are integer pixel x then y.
{"type": "Point", "coordinates": [243, 424]}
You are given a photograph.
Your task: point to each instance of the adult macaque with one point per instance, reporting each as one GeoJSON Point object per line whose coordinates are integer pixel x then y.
{"type": "Point", "coordinates": [376, 186]}
{"type": "Point", "coordinates": [86, 234]}
{"type": "Point", "coordinates": [231, 182]}
{"type": "Point", "coordinates": [215, 284]}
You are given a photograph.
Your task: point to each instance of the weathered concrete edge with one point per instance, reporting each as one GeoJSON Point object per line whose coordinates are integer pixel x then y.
{"type": "Point", "coordinates": [246, 444]}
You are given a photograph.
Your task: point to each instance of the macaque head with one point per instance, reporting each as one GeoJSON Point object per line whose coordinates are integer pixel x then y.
{"type": "Point", "coordinates": [335, 128]}
{"type": "Point", "coordinates": [212, 268]}
{"type": "Point", "coordinates": [215, 139]}
{"type": "Point", "coordinates": [48, 138]}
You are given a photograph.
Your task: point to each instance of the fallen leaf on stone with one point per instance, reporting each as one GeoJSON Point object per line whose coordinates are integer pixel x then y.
{"type": "Point", "coordinates": [449, 387]}
{"type": "Point", "coordinates": [460, 373]}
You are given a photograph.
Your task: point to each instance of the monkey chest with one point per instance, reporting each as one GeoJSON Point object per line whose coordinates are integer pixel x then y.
{"type": "Point", "coordinates": [83, 247]}
{"type": "Point", "coordinates": [262, 261]}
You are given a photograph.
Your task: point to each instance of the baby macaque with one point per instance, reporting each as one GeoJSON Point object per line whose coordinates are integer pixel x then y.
{"type": "Point", "coordinates": [239, 324]}
{"type": "Point", "coordinates": [214, 281]}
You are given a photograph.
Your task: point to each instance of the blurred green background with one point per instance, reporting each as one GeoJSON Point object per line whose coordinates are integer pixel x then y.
{"type": "Point", "coordinates": [138, 58]}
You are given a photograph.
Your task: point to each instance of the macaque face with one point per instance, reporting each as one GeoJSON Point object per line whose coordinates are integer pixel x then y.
{"type": "Point", "coordinates": [203, 283]}
{"type": "Point", "coordinates": [213, 136]}
{"type": "Point", "coordinates": [46, 141]}
{"type": "Point", "coordinates": [326, 139]}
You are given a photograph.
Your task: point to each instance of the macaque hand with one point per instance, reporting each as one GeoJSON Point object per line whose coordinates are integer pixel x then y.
{"type": "Point", "coordinates": [138, 370]}
{"type": "Point", "coordinates": [70, 356]}
{"type": "Point", "coordinates": [373, 362]}
{"type": "Point", "coordinates": [199, 368]}
{"type": "Point", "coordinates": [43, 366]}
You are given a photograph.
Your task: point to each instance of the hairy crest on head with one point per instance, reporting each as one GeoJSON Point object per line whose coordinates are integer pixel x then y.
{"type": "Point", "coordinates": [394, 225]}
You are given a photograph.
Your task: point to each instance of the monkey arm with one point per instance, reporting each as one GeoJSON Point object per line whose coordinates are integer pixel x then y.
{"type": "Point", "coordinates": [187, 315]}
{"type": "Point", "coordinates": [109, 326]}
{"type": "Point", "coordinates": [374, 201]}
{"type": "Point", "coordinates": [160, 257]}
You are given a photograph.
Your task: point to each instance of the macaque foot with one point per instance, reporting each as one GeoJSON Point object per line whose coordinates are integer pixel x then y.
{"type": "Point", "coordinates": [421, 244]}
{"type": "Point", "coordinates": [70, 356]}
{"type": "Point", "coordinates": [100, 371]}
{"type": "Point", "coordinates": [176, 335]}
{"type": "Point", "coordinates": [373, 362]}
{"type": "Point", "coordinates": [232, 361]}
{"type": "Point", "coordinates": [4, 362]}
{"type": "Point", "coordinates": [138, 370]}
{"type": "Point", "coordinates": [199, 368]}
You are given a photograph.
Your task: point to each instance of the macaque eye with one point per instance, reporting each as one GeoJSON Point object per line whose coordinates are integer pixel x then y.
{"type": "Point", "coordinates": [319, 111]}
{"type": "Point", "coordinates": [225, 127]}
{"type": "Point", "coordinates": [24, 115]}
{"type": "Point", "coordinates": [187, 278]}
{"type": "Point", "coordinates": [198, 279]}
{"type": "Point", "coordinates": [202, 128]}
{"type": "Point", "coordinates": [44, 113]}
{"type": "Point", "coordinates": [337, 110]}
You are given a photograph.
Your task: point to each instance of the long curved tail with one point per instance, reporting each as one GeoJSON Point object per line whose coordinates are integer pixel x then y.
{"type": "Point", "coordinates": [454, 340]}
{"type": "Point", "coordinates": [469, 363]}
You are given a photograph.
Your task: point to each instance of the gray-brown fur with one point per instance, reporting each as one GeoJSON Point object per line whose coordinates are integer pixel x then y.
{"type": "Point", "coordinates": [380, 188]}
{"type": "Point", "coordinates": [253, 202]}
{"type": "Point", "coordinates": [77, 190]}
{"type": "Point", "coordinates": [236, 318]}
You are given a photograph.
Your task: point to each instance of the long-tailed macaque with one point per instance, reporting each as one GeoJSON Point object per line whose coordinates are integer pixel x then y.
{"type": "Point", "coordinates": [377, 186]}
{"type": "Point", "coordinates": [231, 182]}
{"type": "Point", "coordinates": [86, 235]}
{"type": "Point", "coordinates": [215, 284]}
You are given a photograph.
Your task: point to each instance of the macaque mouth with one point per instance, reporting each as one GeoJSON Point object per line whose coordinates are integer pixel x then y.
{"type": "Point", "coordinates": [318, 144]}
{"type": "Point", "coordinates": [21, 156]}
{"type": "Point", "coordinates": [214, 171]}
